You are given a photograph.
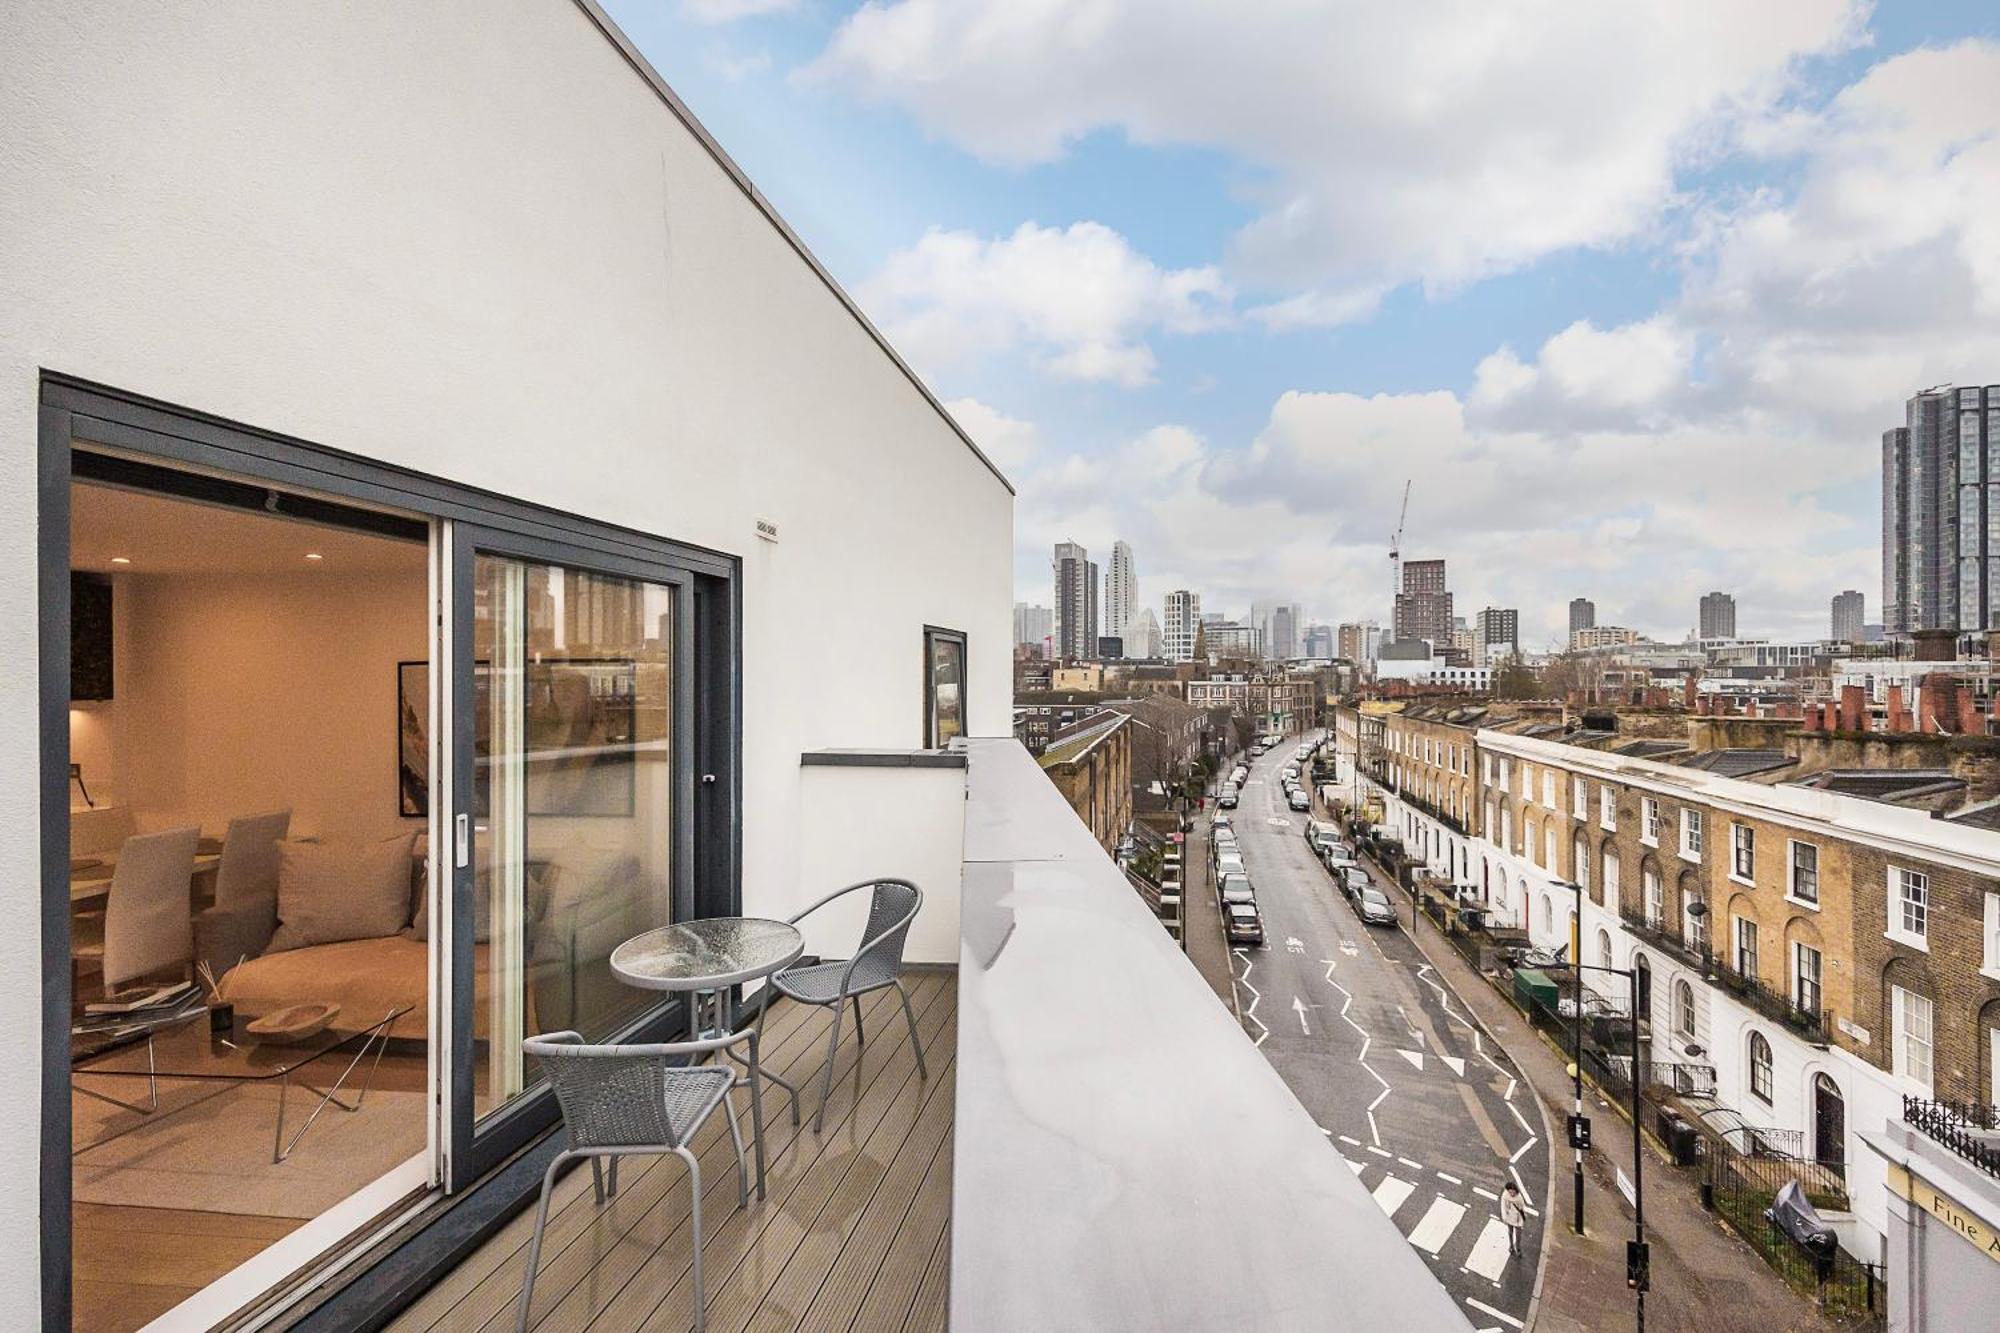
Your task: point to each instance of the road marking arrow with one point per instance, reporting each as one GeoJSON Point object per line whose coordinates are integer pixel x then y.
{"type": "Point", "coordinates": [1299, 1008]}
{"type": "Point", "coordinates": [1457, 1065]}
{"type": "Point", "coordinates": [1414, 1057]}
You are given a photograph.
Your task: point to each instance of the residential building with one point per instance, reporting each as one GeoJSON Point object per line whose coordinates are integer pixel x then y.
{"type": "Point", "coordinates": [1319, 645]}
{"type": "Point", "coordinates": [1358, 641]}
{"type": "Point", "coordinates": [1228, 641]}
{"type": "Point", "coordinates": [1426, 759]}
{"type": "Point", "coordinates": [1603, 636]}
{"type": "Point", "coordinates": [1121, 593]}
{"type": "Point", "coordinates": [1079, 677]}
{"type": "Point", "coordinates": [1166, 740]}
{"type": "Point", "coordinates": [1272, 701]}
{"type": "Point", "coordinates": [1076, 603]}
{"type": "Point", "coordinates": [1092, 768]}
{"type": "Point", "coordinates": [1032, 627]}
{"type": "Point", "coordinates": [1423, 607]}
{"type": "Point", "coordinates": [1183, 625]}
{"type": "Point", "coordinates": [342, 404]}
{"type": "Point", "coordinates": [1850, 617]}
{"type": "Point", "coordinates": [1940, 568]}
{"type": "Point", "coordinates": [1718, 616]}
{"type": "Point", "coordinates": [1582, 615]}
{"type": "Point", "coordinates": [1142, 640]}
{"type": "Point", "coordinates": [1496, 636]}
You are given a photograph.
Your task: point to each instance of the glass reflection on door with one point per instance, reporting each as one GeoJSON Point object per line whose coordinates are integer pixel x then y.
{"type": "Point", "coordinates": [573, 803]}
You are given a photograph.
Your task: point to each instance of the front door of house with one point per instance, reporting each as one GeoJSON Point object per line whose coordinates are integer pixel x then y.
{"type": "Point", "coordinates": [1829, 1123]}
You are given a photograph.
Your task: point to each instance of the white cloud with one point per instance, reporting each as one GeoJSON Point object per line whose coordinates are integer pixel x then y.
{"type": "Point", "coordinates": [1643, 521]}
{"type": "Point", "coordinates": [1587, 376]}
{"type": "Point", "coordinates": [1079, 299]}
{"type": "Point", "coordinates": [1434, 142]}
{"type": "Point", "coordinates": [1009, 441]}
{"type": "Point", "coordinates": [730, 11]}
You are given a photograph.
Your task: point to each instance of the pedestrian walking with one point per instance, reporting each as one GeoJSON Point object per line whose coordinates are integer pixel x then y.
{"type": "Point", "coordinates": [1513, 1215]}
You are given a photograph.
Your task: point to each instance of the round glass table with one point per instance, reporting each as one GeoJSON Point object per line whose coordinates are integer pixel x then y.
{"type": "Point", "coordinates": [708, 958]}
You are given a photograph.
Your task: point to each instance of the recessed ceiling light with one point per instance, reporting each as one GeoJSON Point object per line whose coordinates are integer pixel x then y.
{"type": "Point", "coordinates": [314, 555]}
{"type": "Point", "coordinates": [121, 560]}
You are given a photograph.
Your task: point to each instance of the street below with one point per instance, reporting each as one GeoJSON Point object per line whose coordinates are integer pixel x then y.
{"type": "Point", "coordinates": [1424, 1106]}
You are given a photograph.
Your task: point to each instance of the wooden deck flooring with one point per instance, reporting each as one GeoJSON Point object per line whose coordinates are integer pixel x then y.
{"type": "Point", "coordinates": [854, 1233]}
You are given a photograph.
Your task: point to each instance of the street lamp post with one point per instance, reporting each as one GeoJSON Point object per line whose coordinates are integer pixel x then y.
{"type": "Point", "coordinates": [1636, 1266]}
{"type": "Point", "coordinates": [1576, 1050]}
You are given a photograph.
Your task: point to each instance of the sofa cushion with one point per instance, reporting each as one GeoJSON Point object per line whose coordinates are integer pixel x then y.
{"type": "Point", "coordinates": [328, 892]}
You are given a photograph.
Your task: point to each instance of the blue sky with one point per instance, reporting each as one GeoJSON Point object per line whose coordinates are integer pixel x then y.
{"type": "Point", "coordinates": [1623, 322]}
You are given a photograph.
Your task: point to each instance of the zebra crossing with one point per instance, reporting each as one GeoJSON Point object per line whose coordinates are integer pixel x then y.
{"type": "Point", "coordinates": [1454, 1228]}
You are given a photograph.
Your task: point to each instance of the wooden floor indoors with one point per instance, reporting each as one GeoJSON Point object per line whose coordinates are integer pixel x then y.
{"type": "Point", "coordinates": [854, 1233]}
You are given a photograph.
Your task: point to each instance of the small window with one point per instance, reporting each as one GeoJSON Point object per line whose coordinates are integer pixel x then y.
{"type": "Point", "coordinates": [1579, 869]}
{"type": "Point", "coordinates": [1692, 834]}
{"type": "Point", "coordinates": [1805, 872]}
{"type": "Point", "coordinates": [1530, 849]}
{"type": "Point", "coordinates": [1746, 947]}
{"type": "Point", "coordinates": [1549, 788]}
{"type": "Point", "coordinates": [1603, 947]}
{"type": "Point", "coordinates": [1649, 821]}
{"type": "Point", "coordinates": [1913, 1035]}
{"type": "Point", "coordinates": [1909, 905]}
{"type": "Point", "coordinates": [1607, 808]}
{"type": "Point", "coordinates": [1656, 894]}
{"type": "Point", "coordinates": [1990, 962]}
{"type": "Point", "coordinates": [944, 686]}
{"type": "Point", "coordinates": [1760, 1067]}
{"type": "Point", "coordinates": [1579, 798]}
{"type": "Point", "coordinates": [1549, 846]}
{"type": "Point", "coordinates": [1684, 1010]}
{"type": "Point", "coordinates": [1694, 925]}
{"type": "Point", "coordinates": [1743, 852]}
{"type": "Point", "coordinates": [1610, 879]}
{"type": "Point", "coordinates": [1806, 977]}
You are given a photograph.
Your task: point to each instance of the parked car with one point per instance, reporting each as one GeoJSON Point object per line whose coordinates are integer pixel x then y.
{"type": "Point", "coordinates": [1235, 887]}
{"type": "Point", "coordinates": [1353, 879]}
{"type": "Point", "coordinates": [1245, 926]}
{"type": "Point", "coordinates": [1240, 772]}
{"type": "Point", "coordinates": [1221, 822]}
{"type": "Point", "coordinates": [1227, 800]}
{"type": "Point", "coordinates": [1374, 908]}
{"type": "Point", "coordinates": [1299, 800]}
{"type": "Point", "coordinates": [1229, 861]}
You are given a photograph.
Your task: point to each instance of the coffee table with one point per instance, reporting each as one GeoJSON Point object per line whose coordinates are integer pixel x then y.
{"type": "Point", "coordinates": [181, 1046]}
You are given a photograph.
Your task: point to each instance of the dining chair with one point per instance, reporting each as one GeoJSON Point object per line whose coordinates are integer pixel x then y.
{"type": "Point", "coordinates": [248, 869]}
{"type": "Point", "coordinates": [878, 963]}
{"type": "Point", "coordinates": [618, 1101]}
{"type": "Point", "coordinates": [148, 920]}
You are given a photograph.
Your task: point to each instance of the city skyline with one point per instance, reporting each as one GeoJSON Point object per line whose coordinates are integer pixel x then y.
{"type": "Point", "coordinates": [1659, 362]}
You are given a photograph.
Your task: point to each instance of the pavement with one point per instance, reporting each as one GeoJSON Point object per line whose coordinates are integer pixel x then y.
{"type": "Point", "coordinates": [1704, 1279]}
{"type": "Point", "coordinates": [1427, 1111]}
{"type": "Point", "coordinates": [1201, 917]}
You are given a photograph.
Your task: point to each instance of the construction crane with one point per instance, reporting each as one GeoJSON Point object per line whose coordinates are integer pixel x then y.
{"type": "Point", "coordinates": [1396, 552]}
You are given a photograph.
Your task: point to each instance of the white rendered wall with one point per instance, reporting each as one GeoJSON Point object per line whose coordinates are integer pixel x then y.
{"type": "Point", "coordinates": [900, 823]}
{"type": "Point", "coordinates": [469, 239]}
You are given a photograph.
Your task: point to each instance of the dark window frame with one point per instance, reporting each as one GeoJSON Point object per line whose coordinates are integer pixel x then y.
{"type": "Point", "coordinates": [79, 418]}
{"type": "Point", "coordinates": [933, 635]}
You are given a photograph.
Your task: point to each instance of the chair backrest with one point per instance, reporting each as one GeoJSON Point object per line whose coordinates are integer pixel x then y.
{"type": "Point", "coordinates": [892, 906]}
{"type": "Point", "coordinates": [148, 914]}
{"type": "Point", "coordinates": [611, 1096]}
{"type": "Point", "coordinates": [248, 870]}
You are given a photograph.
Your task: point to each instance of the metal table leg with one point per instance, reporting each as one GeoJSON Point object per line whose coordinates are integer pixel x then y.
{"type": "Point", "coordinates": [376, 1038]}
{"type": "Point", "coordinates": [152, 1087]}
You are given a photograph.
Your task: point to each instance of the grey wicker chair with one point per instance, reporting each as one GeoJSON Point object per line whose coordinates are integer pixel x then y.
{"type": "Point", "coordinates": [623, 1100]}
{"type": "Point", "coordinates": [878, 963]}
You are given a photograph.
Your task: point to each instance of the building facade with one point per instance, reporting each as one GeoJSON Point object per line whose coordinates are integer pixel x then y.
{"type": "Point", "coordinates": [1032, 627]}
{"type": "Point", "coordinates": [469, 361]}
{"type": "Point", "coordinates": [1318, 643]}
{"type": "Point", "coordinates": [1121, 595]}
{"type": "Point", "coordinates": [1496, 635]}
{"type": "Point", "coordinates": [1849, 622]}
{"type": "Point", "coordinates": [1183, 625]}
{"type": "Point", "coordinates": [1075, 631]}
{"type": "Point", "coordinates": [1143, 639]}
{"type": "Point", "coordinates": [1582, 615]}
{"type": "Point", "coordinates": [1092, 768]}
{"type": "Point", "coordinates": [1357, 641]}
{"type": "Point", "coordinates": [1718, 616]}
{"type": "Point", "coordinates": [1271, 701]}
{"type": "Point", "coordinates": [1423, 606]}
{"type": "Point", "coordinates": [1940, 491]}
{"type": "Point", "coordinates": [1603, 636]}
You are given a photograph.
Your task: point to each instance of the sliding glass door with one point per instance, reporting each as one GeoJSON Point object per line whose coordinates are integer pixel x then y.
{"type": "Point", "coordinates": [572, 687]}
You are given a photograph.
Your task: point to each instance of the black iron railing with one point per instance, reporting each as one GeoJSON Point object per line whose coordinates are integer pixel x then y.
{"type": "Point", "coordinates": [1812, 1024]}
{"type": "Point", "coordinates": [1958, 1126]}
{"type": "Point", "coordinates": [1662, 936]}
